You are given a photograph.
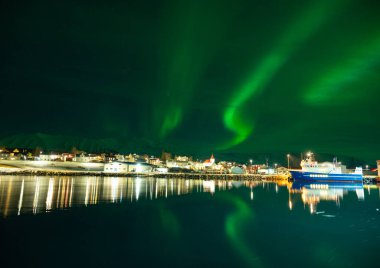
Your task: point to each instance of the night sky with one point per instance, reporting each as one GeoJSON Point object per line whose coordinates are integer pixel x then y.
{"type": "Point", "coordinates": [192, 77]}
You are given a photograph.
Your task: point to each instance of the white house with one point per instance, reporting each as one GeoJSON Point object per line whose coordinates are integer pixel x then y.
{"type": "Point", "coordinates": [87, 158]}
{"type": "Point", "coordinates": [178, 164]}
{"type": "Point", "coordinates": [49, 157]}
{"type": "Point", "coordinates": [126, 167]}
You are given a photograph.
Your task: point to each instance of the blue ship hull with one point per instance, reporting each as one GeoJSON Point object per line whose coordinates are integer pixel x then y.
{"type": "Point", "coordinates": [299, 175]}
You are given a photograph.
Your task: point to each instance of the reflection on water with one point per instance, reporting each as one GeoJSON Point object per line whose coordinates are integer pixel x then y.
{"type": "Point", "coordinates": [20, 195]}
{"type": "Point", "coordinates": [313, 193]}
{"type": "Point", "coordinates": [219, 224]}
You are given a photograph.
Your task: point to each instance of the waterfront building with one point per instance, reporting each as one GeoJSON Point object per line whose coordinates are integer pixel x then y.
{"type": "Point", "coordinates": [108, 157]}
{"type": "Point", "coordinates": [209, 162]}
{"type": "Point", "coordinates": [253, 169]}
{"type": "Point", "coordinates": [178, 164]}
{"type": "Point", "coordinates": [237, 170]}
{"type": "Point", "coordinates": [197, 166]}
{"type": "Point", "coordinates": [218, 167]}
{"type": "Point", "coordinates": [4, 154]}
{"type": "Point", "coordinates": [210, 165]}
{"type": "Point", "coordinates": [126, 167]}
{"type": "Point", "coordinates": [161, 169]}
{"type": "Point", "coordinates": [120, 157]}
{"type": "Point", "coordinates": [130, 158]}
{"type": "Point", "coordinates": [154, 161]}
{"type": "Point", "coordinates": [14, 154]}
{"type": "Point", "coordinates": [183, 158]}
{"type": "Point", "coordinates": [67, 157]}
{"type": "Point", "coordinates": [88, 158]}
{"type": "Point", "coordinates": [282, 170]}
{"type": "Point", "coordinates": [166, 156]}
{"type": "Point", "coordinates": [226, 165]}
{"type": "Point", "coordinates": [50, 157]}
{"type": "Point", "coordinates": [265, 170]}
{"type": "Point", "coordinates": [378, 168]}
{"type": "Point", "coordinates": [142, 158]}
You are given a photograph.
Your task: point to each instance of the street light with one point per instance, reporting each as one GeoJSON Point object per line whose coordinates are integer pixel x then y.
{"type": "Point", "coordinates": [275, 167]}
{"type": "Point", "coordinates": [366, 167]}
{"type": "Point", "coordinates": [288, 156]}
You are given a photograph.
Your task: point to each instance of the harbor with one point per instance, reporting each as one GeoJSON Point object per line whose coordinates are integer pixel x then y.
{"type": "Point", "coordinates": [202, 133]}
{"type": "Point", "coordinates": [153, 203]}
{"type": "Point", "coordinates": [180, 167]}
{"type": "Point", "coordinates": [246, 220]}
{"type": "Point", "coordinates": [35, 172]}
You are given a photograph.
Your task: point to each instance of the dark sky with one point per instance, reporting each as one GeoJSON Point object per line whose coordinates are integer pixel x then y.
{"type": "Point", "coordinates": [192, 77]}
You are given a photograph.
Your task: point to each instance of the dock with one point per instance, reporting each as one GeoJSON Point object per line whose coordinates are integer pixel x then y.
{"type": "Point", "coordinates": [194, 176]}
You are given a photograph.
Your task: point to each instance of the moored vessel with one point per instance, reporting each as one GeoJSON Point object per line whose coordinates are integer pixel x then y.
{"type": "Point", "coordinates": [326, 171]}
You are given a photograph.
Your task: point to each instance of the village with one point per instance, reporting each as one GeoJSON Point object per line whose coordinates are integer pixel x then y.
{"type": "Point", "coordinates": [12, 159]}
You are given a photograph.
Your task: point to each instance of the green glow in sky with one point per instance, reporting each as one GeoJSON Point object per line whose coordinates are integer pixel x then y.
{"type": "Point", "coordinates": [191, 77]}
{"type": "Point", "coordinates": [308, 23]}
{"type": "Point", "coordinates": [179, 69]}
{"type": "Point", "coordinates": [171, 120]}
{"type": "Point", "coordinates": [234, 121]}
{"type": "Point", "coordinates": [181, 72]}
{"type": "Point", "coordinates": [234, 225]}
{"type": "Point", "coordinates": [330, 87]}
{"type": "Point", "coordinates": [186, 55]}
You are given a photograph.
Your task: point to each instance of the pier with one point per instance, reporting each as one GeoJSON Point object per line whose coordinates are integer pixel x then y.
{"type": "Point", "coordinates": [179, 175]}
{"type": "Point", "coordinates": [196, 176]}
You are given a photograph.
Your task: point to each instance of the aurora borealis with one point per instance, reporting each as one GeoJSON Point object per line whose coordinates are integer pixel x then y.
{"type": "Point", "coordinates": [273, 61]}
{"type": "Point", "coordinates": [193, 77]}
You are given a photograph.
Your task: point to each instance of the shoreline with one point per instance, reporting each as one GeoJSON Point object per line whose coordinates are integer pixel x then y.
{"type": "Point", "coordinates": [203, 176]}
{"type": "Point", "coordinates": [41, 172]}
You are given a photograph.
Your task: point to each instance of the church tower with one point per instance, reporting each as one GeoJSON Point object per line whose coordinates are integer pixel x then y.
{"type": "Point", "coordinates": [212, 159]}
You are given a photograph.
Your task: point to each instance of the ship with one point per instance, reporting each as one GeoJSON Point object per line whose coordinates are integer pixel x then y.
{"type": "Point", "coordinates": [326, 171]}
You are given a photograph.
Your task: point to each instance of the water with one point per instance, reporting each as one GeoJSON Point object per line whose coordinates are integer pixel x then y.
{"type": "Point", "coordinates": [140, 222]}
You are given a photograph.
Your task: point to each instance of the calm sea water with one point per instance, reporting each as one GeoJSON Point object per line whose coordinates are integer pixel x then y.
{"type": "Point", "coordinates": [148, 222]}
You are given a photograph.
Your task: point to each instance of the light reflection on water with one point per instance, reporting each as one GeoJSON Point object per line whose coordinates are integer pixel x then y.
{"type": "Point", "coordinates": [219, 224]}
{"type": "Point", "coordinates": [23, 195]}
{"type": "Point", "coordinates": [313, 193]}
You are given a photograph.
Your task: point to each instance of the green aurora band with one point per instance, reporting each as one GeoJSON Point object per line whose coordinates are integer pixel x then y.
{"type": "Point", "coordinates": [171, 120]}
{"type": "Point", "coordinates": [329, 88]}
{"type": "Point", "coordinates": [178, 69]}
{"type": "Point", "coordinates": [299, 31]}
{"type": "Point", "coordinates": [186, 55]}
